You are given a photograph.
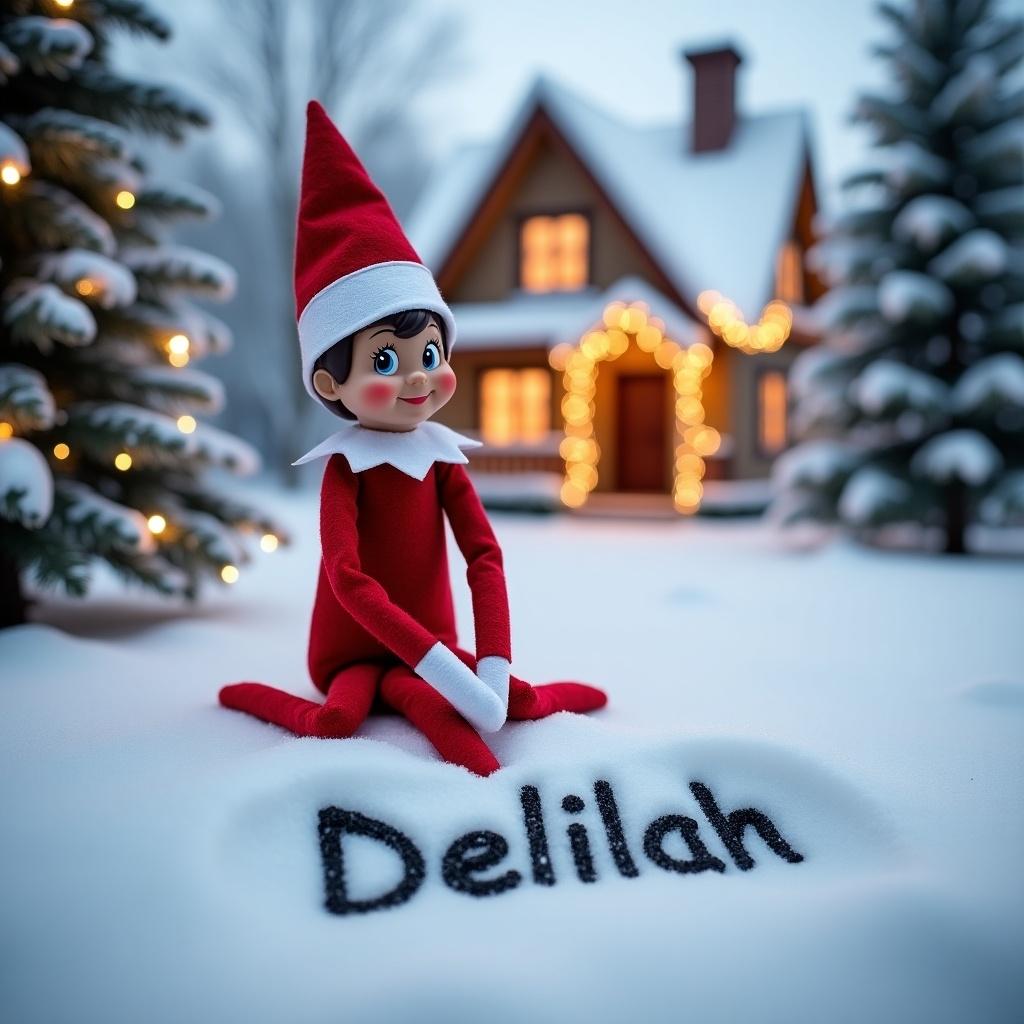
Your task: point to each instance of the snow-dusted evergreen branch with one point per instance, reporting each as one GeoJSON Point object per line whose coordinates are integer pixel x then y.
{"type": "Point", "coordinates": [133, 15]}
{"type": "Point", "coordinates": [47, 46]}
{"type": "Point", "coordinates": [176, 270]}
{"type": "Point", "coordinates": [101, 454]}
{"type": "Point", "coordinates": [150, 107]}
{"type": "Point", "coordinates": [41, 314]}
{"type": "Point", "coordinates": [25, 400]}
{"type": "Point", "coordinates": [98, 524]}
{"type": "Point", "coordinates": [46, 216]}
{"type": "Point", "coordinates": [914, 410]}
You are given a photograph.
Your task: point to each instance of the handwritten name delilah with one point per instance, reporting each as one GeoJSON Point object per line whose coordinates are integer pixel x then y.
{"type": "Point", "coordinates": [471, 863]}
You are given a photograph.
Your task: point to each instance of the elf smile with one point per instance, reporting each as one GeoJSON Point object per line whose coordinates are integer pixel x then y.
{"type": "Point", "coordinates": [416, 401]}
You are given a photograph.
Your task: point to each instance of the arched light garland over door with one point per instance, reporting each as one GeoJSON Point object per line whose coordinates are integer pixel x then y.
{"type": "Point", "coordinates": [625, 325]}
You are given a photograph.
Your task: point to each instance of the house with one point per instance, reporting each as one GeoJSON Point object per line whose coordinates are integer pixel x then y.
{"type": "Point", "coordinates": [628, 297]}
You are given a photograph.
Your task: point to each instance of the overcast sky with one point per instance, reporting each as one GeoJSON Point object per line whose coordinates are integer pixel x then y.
{"type": "Point", "coordinates": [622, 54]}
{"type": "Point", "coordinates": [625, 54]}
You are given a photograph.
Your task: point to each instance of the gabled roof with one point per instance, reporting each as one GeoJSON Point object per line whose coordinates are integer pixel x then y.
{"type": "Point", "coordinates": [525, 320]}
{"type": "Point", "coordinates": [710, 220]}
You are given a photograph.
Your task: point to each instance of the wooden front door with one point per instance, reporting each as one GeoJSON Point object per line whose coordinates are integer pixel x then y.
{"type": "Point", "coordinates": [642, 441]}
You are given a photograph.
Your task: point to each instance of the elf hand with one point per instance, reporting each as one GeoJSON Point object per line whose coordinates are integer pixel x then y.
{"type": "Point", "coordinates": [495, 671]}
{"type": "Point", "coordinates": [474, 699]}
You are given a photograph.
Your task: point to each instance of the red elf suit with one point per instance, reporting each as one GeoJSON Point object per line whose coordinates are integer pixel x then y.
{"type": "Point", "coordinates": [383, 625]}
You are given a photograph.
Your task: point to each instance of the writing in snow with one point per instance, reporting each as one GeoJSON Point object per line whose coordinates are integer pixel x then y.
{"type": "Point", "coordinates": [471, 862]}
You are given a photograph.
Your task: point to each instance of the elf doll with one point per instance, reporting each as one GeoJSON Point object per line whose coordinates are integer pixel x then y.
{"type": "Point", "coordinates": [375, 339]}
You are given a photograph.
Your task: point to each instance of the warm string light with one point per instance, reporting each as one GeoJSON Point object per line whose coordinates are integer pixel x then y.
{"type": "Point", "coordinates": [769, 334]}
{"type": "Point", "coordinates": [123, 461]}
{"type": "Point", "coordinates": [61, 451]}
{"type": "Point", "coordinates": [6, 430]}
{"type": "Point", "coordinates": [177, 350]}
{"type": "Point", "coordinates": [187, 424]}
{"type": "Point", "coordinates": [85, 286]}
{"type": "Point", "coordinates": [157, 524]}
{"type": "Point", "coordinates": [229, 574]}
{"type": "Point", "coordinates": [64, 3]}
{"type": "Point", "coordinates": [579, 365]}
{"type": "Point", "coordinates": [268, 542]}
{"type": "Point", "coordinates": [697, 439]}
{"type": "Point", "coordinates": [125, 199]}
{"type": "Point", "coordinates": [10, 174]}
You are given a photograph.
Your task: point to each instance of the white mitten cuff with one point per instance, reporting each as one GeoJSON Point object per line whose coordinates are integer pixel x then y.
{"type": "Point", "coordinates": [495, 671]}
{"type": "Point", "coordinates": [458, 684]}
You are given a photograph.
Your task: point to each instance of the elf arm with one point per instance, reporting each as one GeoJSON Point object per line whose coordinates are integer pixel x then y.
{"type": "Point", "coordinates": [369, 605]}
{"type": "Point", "coordinates": [484, 573]}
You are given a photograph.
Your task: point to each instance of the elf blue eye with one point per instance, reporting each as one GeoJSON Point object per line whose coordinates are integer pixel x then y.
{"type": "Point", "coordinates": [385, 362]}
{"type": "Point", "coordinates": [431, 356]}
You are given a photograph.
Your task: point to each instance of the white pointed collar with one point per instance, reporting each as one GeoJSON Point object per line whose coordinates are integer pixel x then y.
{"type": "Point", "coordinates": [411, 451]}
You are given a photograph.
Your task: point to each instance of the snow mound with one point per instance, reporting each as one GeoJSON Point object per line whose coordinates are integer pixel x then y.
{"type": "Point", "coordinates": [260, 819]}
{"type": "Point", "coordinates": [963, 455]}
{"type": "Point", "coordinates": [166, 853]}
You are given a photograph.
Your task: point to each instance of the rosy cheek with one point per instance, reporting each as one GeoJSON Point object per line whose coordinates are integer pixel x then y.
{"type": "Point", "coordinates": [446, 383]}
{"type": "Point", "coordinates": [378, 394]}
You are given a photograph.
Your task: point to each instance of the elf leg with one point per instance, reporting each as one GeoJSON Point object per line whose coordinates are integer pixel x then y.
{"type": "Point", "coordinates": [451, 735]}
{"type": "Point", "coordinates": [348, 703]}
{"type": "Point", "coordinates": [526, 701]}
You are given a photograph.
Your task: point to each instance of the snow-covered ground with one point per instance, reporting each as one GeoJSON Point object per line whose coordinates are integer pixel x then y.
{"type": "Point", "coordinates": [161, 858]}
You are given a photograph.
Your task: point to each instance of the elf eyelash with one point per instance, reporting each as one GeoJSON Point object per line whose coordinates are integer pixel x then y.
{"type": "Point", "coordinates": [383, 348]}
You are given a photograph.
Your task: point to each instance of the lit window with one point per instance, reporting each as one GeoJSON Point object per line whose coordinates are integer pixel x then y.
{"type": "Point", "coordinates": [553, 253]}
{"type": "Point", "coordinates": [515, 405]}
{"type": "Point", "coordinates": [789, 283]}
{"type": "Point", "coordinates": [771, 404]}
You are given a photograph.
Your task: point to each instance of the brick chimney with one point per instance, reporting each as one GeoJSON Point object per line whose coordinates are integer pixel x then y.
{"type": "Point", "coordinates": [714, 96]}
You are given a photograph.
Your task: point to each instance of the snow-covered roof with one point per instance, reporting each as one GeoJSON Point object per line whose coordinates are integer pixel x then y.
{"type": "Point", "coordinates": [711, 220]}
{"type": "Point", "coordinates": [525, 320]}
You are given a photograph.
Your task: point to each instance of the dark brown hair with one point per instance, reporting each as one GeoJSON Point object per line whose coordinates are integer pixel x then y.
{"type": "Point", "coordinates": [337, 360]}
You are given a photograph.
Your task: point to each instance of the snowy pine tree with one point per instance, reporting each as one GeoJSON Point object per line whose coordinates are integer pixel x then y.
{"type": "Point", "coordinates": [101, 455]}
{"type": "Point", "coordinates": [913, 408]}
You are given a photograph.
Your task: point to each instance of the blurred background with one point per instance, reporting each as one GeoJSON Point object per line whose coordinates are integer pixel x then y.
{"type": "Point", "coordinates": [414, 84]}
{"type": "Point", "coordinates": [730, 260]}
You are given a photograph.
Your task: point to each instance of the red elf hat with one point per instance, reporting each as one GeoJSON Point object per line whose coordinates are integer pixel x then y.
{"type": "Point", "coordinates": [353, 263]}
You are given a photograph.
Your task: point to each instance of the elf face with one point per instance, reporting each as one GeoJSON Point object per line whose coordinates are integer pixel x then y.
{"type": "Point", "coordinates": [394, 383]}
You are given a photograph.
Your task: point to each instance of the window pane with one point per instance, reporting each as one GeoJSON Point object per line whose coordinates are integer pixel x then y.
{"type": "Point", "coordinates": [535, 404]}
{"type": "Point", "coordinates": [498, 422]}
{"type": "Point", "coordinates": [553, 252]}
{"type": "Point", "coordinates": [515, 405]}
{"type": "Point", "coordinates": [572, 232]}
{"type": "Point", "coordinates": [537, 234]}
{"type": "Point", "coordinates": [772, 411]}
